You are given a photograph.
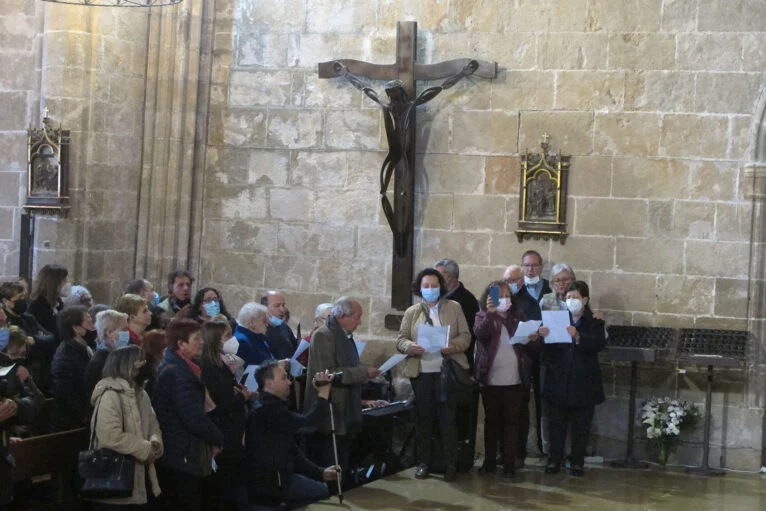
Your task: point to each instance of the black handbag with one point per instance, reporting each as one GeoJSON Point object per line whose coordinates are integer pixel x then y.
{"type": "Point", "coordinates": [456, 379]}
{"type": "Point", "coordinates": [107, 474]}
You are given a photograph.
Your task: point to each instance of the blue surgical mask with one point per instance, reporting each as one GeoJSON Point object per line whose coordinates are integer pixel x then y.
{"type": "Point", "coordinates": [430, 294]}
{"type": "Point", "coordinates": [123, 339]}
{"type": "Point", "coordinates": [5, 337]}
{"type": "Point", "coordinates": [275, 320]}
{"type": "Point", "coordinates": [213, 308]}
{"type": "Point", "coordinates": [514, 288]}
{"type": "Point", "coordinates": [156, 299]}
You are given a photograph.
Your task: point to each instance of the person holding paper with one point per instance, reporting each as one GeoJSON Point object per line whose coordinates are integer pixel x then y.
{"type": "Point", "coordinates": [321, 313]}
{"type": "Point", "coordinates": [503, 370]}
{"type": "Point", "coordinates": [333, 349]}
{"type": "Point", "coordinates": [433, 405]}
{"type": "Point", "coordinates": [573, 385]}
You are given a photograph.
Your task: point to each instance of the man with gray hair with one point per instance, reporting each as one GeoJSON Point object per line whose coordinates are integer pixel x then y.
{"type": "Point", "coordinates": [456, 291]}
{"type": "Point", "coordinates": [333, 349]}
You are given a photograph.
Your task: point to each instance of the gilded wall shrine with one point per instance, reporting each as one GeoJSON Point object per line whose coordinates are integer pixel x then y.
{"type": "Point", "coordinates": [203, 138]}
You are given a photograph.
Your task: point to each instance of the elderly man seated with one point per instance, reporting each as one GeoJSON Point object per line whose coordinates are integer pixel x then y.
{"type": "Point", "coordinates": [254, 347]}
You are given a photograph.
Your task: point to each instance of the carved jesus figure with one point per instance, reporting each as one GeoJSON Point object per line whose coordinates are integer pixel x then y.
{"type": "Point", "coordinates": [397, 115]}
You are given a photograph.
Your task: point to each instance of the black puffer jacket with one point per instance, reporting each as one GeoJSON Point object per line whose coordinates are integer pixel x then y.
{"type": "Point", "coordinates": [179, 401]}
{"type": "Point", "coordinates": [71, 405]}
{"type": "Point", "coordinates": [229, 413]}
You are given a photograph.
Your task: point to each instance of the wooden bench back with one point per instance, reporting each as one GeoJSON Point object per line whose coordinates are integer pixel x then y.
{"type": "Point", "coordinates": [55, 453]}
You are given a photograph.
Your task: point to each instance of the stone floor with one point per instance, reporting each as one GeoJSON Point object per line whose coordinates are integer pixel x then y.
{"type": "Point", "coordinates": [600, 489]}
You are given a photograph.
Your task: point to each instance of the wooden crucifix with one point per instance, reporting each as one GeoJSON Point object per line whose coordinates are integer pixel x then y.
{"type": "Point", "coordinates": [399, 116]}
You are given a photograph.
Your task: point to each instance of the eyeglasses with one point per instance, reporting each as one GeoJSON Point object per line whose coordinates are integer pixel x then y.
{"type": "Point", "coordinates": [528, 266]}
{"type": "Point", "coordinates": [562, 281]}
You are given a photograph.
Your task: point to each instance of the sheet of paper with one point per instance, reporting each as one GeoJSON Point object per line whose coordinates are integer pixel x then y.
{"type": "Point", "coordinates": [250, 383]}
{"type": "Point", "coordinates": [303, 346]}
{"type": "Point", "coordinates": [360, 347]}
{"type": "Point", "coordinates": [296, 368]}
{"type": "Point", "coordinates": [557, 322]}
{"type": "Point", "coordinates": [391, 362]}
{"type": "Point", "coordinates": [524, 330]}
{"type": "Point", "coordinates": [433, 338]}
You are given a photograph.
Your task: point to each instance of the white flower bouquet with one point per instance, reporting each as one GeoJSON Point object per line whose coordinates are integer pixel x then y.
{"type": "Point", "coordinates": [663, 420]}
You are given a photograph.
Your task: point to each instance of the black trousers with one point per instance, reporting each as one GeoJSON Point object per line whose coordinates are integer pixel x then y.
{"type": "Point", "coordinates": [525, 417]}
{"type": "Point", "coordinates": [179, 490]}
{"type": "Point", "coordinates": [434, 415]}
{"type": "Point", "coordinates": [502, 410]}
{"type": "Point", "coordinates": [560, 418]}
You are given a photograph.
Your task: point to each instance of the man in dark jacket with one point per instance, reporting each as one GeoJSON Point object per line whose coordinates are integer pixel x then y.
{"type": "Point", "coordinates": [457, 292]}
{"type": "Point", "coordinates": [282, 340]}
{"type": "Point", "coordinates": [528, 301]}
{"type": "Point", "coordinates": [278, 470]}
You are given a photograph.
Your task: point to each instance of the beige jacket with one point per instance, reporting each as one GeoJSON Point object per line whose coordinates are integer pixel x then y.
{"type": "Point", "coordinates": [117, 403]}
{"type": "Point", "coordinates": [450, 313]}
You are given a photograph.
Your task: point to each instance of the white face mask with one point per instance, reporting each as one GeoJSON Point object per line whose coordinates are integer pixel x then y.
{"type": "Point", "coordinates": [504, 305]}
{"type": "Point", "coordinates": [531, 281]}
{"type": "Point", "coordinates": [574, 305]}
{"type": "Point", "coordinates": [231, 346]}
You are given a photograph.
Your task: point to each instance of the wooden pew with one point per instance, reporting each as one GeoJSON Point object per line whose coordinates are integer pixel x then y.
{"type": "Point", "coordinates": [51, 456]}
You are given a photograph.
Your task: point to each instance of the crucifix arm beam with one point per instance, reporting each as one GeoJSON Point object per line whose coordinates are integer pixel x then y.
{"type": "Point", "coordinates": [357, 67]}
{"type": "Point", "coordinates": [452, 67]}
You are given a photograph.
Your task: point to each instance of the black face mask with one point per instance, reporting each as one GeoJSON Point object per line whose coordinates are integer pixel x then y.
{"type": "Point", "coordinates": [20, 307]}
{"type": "Point", "coordinates": [91, 336]}
{"type": "Point", "coordinates": [142, 374]}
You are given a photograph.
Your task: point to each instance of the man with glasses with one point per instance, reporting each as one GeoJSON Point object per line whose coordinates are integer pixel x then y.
{"type": "Point", "coordinates": [528, 300]}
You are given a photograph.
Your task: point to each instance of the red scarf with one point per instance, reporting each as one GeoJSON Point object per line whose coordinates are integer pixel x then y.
{"type": "Point", "coordinates": [196, 369]}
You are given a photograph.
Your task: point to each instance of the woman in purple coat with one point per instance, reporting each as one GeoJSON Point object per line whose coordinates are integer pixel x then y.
{"type": "Point", "coordinates": [503, 370]}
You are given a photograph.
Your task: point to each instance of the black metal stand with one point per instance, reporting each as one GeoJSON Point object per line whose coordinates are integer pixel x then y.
{"type": "Point", "coordinates": [705, 468]}
{"type": "Point", "coordinates": [630, 460]}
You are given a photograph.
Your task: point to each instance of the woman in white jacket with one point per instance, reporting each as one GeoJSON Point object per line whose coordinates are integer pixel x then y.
{"type": "Point", "coordinates": [125, 422]}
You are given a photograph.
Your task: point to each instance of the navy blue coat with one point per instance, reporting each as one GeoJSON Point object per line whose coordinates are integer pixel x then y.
{"type": "Point", "coordinates": [253, 348]}
{"type": "Point", "coordinates": [71, 401]}
{"type": "Point", "coordinates": [179, 401]}
{"type": "Point", "coordinates": [573, 378]}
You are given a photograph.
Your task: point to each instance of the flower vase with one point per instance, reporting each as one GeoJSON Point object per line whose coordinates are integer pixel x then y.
{"type": "Point", "coordinates": [664, 455]}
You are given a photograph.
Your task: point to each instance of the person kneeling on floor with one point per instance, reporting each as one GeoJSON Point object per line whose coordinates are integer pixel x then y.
{"type": "Point", "coordinates": [278, 471]}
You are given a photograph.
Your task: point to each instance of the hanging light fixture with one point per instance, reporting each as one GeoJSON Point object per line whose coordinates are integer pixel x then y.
{"type": "Point", "coordinates": [117, 3]}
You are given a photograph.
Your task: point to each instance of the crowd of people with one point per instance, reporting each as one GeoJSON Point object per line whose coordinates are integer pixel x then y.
{"type": "Point", "coordinates": [162, 379]}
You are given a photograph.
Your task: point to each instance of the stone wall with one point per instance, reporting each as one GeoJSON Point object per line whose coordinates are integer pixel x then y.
{"type": "Point", "coordinates": [87, 66]}
{"type": "Point", "coordinates": [20, 50]}
{"type": "Point", "coordinates": [654, 100]}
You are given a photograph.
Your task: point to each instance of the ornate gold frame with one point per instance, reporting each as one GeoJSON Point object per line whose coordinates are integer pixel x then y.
{"type": "Point", "coordinates": [47, 169]}
{"type": "Point", "coordinates": [543, 195]}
